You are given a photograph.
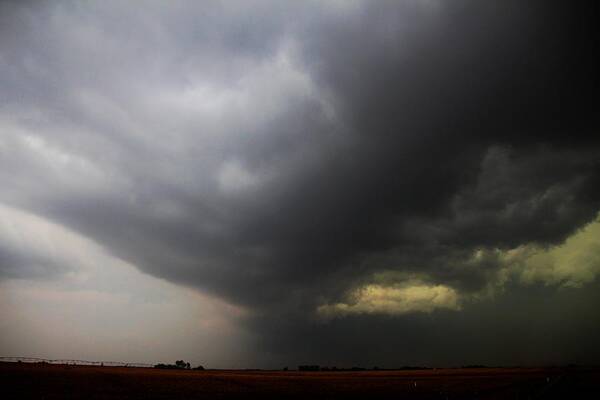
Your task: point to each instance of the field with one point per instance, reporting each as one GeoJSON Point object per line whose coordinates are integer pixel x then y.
{"type": "Point", "coordinates": [47, 381]}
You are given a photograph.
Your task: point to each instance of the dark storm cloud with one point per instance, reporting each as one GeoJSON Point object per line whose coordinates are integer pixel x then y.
{"type": "Point", "coordinates": [535, 326]}
{"type": "Point", "coordinates": [279, 155]}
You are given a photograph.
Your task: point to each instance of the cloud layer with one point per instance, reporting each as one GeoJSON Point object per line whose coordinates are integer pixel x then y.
{"type": "Point", "coordinates": [286, 158]}
{"type": "Point", "coordinates": [395, 300]}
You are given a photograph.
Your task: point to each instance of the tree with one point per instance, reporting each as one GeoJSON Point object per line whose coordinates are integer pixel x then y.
{"type": "Point", "coordinates": [182, 364]}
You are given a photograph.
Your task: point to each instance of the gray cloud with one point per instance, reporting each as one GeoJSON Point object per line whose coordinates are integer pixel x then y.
{"type": "Point", "coordinates": [280, 156]}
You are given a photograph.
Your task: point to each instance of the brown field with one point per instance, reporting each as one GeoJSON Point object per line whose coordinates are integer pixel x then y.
{"type": "Point", "coordinates": [46, 381]}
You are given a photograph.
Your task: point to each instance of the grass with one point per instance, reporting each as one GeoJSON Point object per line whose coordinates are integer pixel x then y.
{"type": "Point", "coordinates": [47, 381]}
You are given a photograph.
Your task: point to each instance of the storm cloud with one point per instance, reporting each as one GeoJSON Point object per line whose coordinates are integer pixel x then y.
{"type": "Point", "coordinates": [403, 166]}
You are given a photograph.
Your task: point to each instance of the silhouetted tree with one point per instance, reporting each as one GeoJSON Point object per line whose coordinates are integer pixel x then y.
{"type": "Point", "coordinates": [182, 364]}
{"type": "Point", "coordinates": [179, 364]}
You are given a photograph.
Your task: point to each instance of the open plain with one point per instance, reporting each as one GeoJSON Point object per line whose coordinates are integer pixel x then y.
{"type": "Point", "coordinates": [48, 381]}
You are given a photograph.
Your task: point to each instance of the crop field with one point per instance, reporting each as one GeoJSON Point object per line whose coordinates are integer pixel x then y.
{"type": "Point", "coordinates": [46, 381]}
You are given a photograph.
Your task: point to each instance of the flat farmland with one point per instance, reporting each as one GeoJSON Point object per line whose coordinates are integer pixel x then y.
{"type": "Point", "coordinates": [47, 381]}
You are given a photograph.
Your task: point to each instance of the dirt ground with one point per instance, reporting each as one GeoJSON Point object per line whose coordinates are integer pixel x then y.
{"type": "Point", "coordinates": [46, 381]}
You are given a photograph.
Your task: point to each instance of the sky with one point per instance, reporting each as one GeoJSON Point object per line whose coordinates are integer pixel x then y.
{"type": "Point", "coordinates": [246, 184]}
